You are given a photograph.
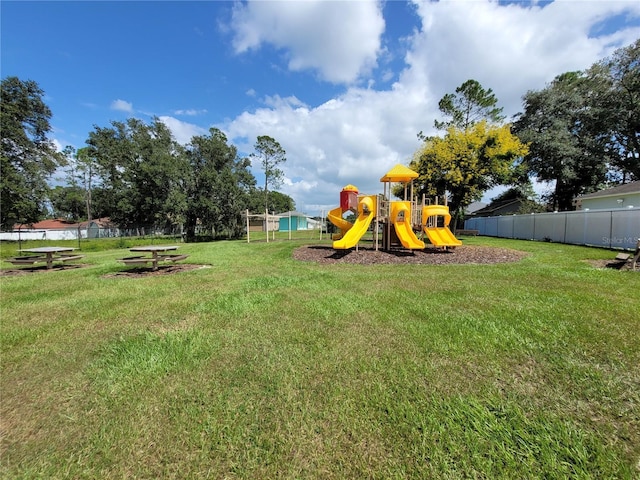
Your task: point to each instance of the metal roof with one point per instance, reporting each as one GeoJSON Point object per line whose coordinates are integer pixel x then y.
{"type": "Point", "coordinates": [624, 189]}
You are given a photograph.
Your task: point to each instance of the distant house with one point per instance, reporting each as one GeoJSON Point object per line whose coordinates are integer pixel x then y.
{"type": "Point", "coordinates": [48, 224]}
{"type": "Point", "coordinates": [292, 221]}
{"type": "Point", "coordinates": [257, 223]}
{"type": "Point", "coordinates": [60, 229]}
{"type": "Point", "coordinates": [50, 229]}
{"type": "Point", "coordinates": [474, 207]}
{"type": "Point", "coordinates": [99, 228]}
{"type": "Point", "coordinates": [621, 196]}
{"type": "Point", "coordinates": [315, 223]}
{"type": "Point", "coordinates": [509, 206]}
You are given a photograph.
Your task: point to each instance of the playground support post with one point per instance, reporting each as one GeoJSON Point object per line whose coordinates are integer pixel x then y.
{"type": "Point", "coordinates": [377, 224]}
{"type": "Point", "coordinates": [247, 216]}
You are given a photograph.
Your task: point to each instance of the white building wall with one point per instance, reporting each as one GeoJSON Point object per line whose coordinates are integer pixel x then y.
{"type": "Point", "coordinates": [610, 202]}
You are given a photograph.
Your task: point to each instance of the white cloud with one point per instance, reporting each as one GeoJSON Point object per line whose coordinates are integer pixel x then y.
{"type": "Point", "coordinates": [358, 136]}
{"type": "Point", "coordinates": [182, 131]}
{"type": "Point", "coordinates": [190, 112]}
{"type": "Point", "coordinates": [57, 145]}
{"type": "Point", "coordinates": [511, 48]}
{"type": "Point", "coordinates": [122, 106]}
{"type": "Point", "coordinates": [339, 40]}
{"type": "Point", "coordinates": [355, 138]}
{"type": "Point", "coordinates": [277, 101]}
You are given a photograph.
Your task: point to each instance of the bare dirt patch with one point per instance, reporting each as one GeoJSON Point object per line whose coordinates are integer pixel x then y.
{"type": "Point", "coordinates": [612, 264]}
{"type": "Point", "coordinates": [369, 256]}
{"type": "Point", "coordinates": [39, 269]}
{"type": "Point", "coordinates": [130, 273]}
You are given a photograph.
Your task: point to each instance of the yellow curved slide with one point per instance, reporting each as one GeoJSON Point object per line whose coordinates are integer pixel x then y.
{"type": "Point", "coordinates": [335, 217]}
{"type": "Point", "coordinates": [366, 212]}
{"type": "Point", "coordinates": [439, 236]}
{"type": "Point", "coordinates": [401, 215]}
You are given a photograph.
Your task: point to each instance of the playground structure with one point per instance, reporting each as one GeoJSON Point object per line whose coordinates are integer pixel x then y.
{"type": "Point", "coordinates": [398, 221]}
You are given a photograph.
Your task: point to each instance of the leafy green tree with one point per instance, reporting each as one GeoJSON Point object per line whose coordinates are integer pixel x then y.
{"type": "Point", "coordinates": [615, 97]}
{"type": "Point", "coordinates": [81, 174]}
{"type": "Point", "coordinates": [159, 176]}
{"type": "Point", "coordinates": [466, 163]}
{"type": "Point", "coordinates": [113, 153]}
{"type": "Point", "coordinates": [86, 166]}
{"type": "Point", "coordinates": [565, 137]}
{"type": "Point", "coordinates": [470, 104]}
{"type": "Point", "coordinates": [28, 156]}
{"type": "Point", "coordinates": [142, 171]}
{"type": "Point", "coordinates": [99, 206]}
{"type": "Point", "coordinates": [218, 186]}
{"type": "Point", "coordinates": [67, 202]}
{"type": "Point", "coordinates": [270, 154]}
{"type": "Point", "coordinates": [278, 202]}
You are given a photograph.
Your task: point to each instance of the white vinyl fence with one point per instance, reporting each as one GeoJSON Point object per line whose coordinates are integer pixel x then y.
{"type": "Point", "coordinates": [616, 228]}
{"type": "Point", "coordinates": [59, 234]}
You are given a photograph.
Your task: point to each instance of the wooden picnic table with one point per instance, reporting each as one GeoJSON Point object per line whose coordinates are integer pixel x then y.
{"type": "Point", "coordinates": [46, 255]}
{"type": "Point", "coordinates": [156, 255]}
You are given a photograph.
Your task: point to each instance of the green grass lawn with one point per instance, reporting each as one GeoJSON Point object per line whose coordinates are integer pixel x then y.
{"type": "Point", "coordinates": [260, 366]}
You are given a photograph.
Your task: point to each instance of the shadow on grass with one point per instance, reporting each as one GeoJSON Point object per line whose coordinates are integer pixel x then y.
{"type": "Point", "coordinates": [39, 269]}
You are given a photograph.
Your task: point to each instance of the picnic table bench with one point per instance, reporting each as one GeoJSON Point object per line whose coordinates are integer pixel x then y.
{"type": "Point", "coordinates": [144, 260]}
{"type": "Point", "coordinates": [155, 258]}
{"type": "Point", "coordinates": [46, 255]}
{"type": "Point", "coordinates": [136, 260]}
{"type": "Point", "coordinates": [622, 258]}
{"type": "Point", "coordinates": [29, 260]}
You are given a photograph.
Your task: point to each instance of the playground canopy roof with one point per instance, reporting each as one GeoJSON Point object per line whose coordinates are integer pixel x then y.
{"type": "Point", "coordinates": [399, 173]}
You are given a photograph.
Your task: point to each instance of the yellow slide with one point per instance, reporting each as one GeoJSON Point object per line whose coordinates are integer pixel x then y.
{"type": "Point", "coordinates": [335, 217]}
{"type": "Point", "coordinates": [366, 212]}
{"type": "Point", "coordinates": [439, 236]}
{"type": "Point", "coordinates": [401, 215]}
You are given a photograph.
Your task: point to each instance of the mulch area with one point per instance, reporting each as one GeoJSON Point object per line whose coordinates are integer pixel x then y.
{"type": "Point", "coordinates": [324, 254]}
{"type": "Point", "coordinates": [369, 256]}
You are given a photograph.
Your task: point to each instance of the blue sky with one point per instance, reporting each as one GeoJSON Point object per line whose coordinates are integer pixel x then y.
{"type": "Point", "coordinates": [344, 87]}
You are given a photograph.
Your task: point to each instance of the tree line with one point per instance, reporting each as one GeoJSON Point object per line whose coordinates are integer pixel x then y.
{"type": "Point", "coordinates": [581, 131]}
{"type": "Point", "coordinates": [135, 173]}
